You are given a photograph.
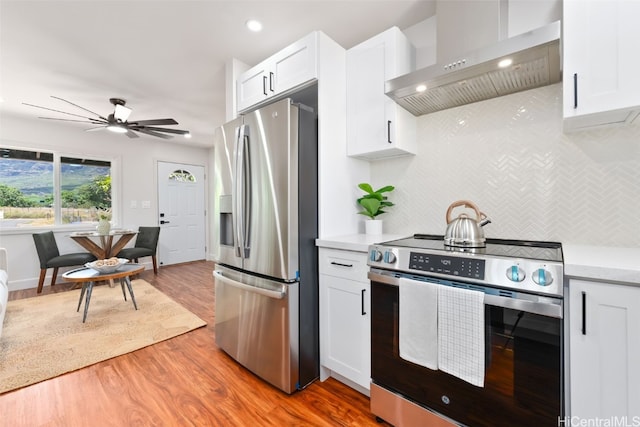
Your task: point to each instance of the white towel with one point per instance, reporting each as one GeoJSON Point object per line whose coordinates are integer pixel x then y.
{"type": "Point", "coordinates": [418, 324]}
{"type": "Point", "coordinates": [461, 333]}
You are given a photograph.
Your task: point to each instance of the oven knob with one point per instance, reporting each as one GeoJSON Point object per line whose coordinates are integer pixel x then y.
{"type": "Point", "coordinates": [542, 277]}
{"type": "Point", "coordinates": [389, 257]}
{"type": "Point", "coordinates": [375, 255]}
{"type": "Point", "coordinates": [515, 274]}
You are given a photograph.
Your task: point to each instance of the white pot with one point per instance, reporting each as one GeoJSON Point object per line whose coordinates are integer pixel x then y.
{"type": "Point", "coordinates": [373, 226]}
{"type": "Point", "coordinates": [104, 226]}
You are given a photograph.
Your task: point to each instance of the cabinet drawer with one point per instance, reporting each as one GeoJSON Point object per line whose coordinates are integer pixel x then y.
{"type": "Point", "coordinates": [347, 264]}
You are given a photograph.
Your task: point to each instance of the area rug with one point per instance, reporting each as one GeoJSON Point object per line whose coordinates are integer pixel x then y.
{"type": "Point", "coordinates": [44, 336]}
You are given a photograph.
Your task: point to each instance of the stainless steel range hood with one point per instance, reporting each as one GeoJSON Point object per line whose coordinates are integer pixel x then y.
{"type": "Point", "coordinates": [536, 62]}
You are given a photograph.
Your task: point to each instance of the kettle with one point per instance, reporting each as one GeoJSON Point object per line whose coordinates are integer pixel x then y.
{"type": "Point", "coordinates": [465, 231]}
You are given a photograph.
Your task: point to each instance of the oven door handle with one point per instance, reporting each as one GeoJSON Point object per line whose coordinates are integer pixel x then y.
{"type": "Point", "coordinates": [542, 308]}
{"type": "Point", "coordinates": [551, 307]}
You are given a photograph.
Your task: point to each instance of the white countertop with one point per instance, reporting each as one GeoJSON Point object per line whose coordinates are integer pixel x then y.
{"type": "Point", "coordinates": [355, 242]}
{"type": "Point", "coordinates": [602, 263]}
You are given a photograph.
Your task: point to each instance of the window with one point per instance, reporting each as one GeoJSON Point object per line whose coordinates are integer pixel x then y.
{"type": "Point", "coordinates": [181, 175]}
{"type": "Point", "coordinates": [43, 189]}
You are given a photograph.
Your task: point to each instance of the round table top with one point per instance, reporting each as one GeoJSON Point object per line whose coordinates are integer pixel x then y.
{"type": "Point", "coordinates": [86, 274]}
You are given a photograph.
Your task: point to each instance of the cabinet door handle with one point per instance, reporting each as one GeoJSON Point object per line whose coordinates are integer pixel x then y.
{"type": "Point", "coordinates": [584, 313]}
{"type": "Point", "coordinates": [264, 85]}
{"type": "Point", "coordinates": [271, 81]}
{"type": "Point", "coordinates": [575, 90]}
{"type": "Point", "coordinates": [362, 302]}
{"type": "Point", "coordinates": [389, 131]}
{"type": "Point", "coordinates": [341, 264]}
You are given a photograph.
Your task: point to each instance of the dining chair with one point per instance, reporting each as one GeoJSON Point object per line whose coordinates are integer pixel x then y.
{"type": "Point", "coordinates": [50, 257]}
{"type": "Point", "coordinates": [146, 245]}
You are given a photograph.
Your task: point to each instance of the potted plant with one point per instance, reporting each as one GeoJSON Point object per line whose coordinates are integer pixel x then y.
{"type": "Point", "coordinates": [373, 203]}
{"type": "Point", "coordinates": [104, 226]}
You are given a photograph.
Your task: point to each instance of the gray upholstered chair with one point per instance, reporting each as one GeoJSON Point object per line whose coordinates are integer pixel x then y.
{"type": "Point", "coordinates": [146, 245]}
{"type": "Point", "coordinates": [50, 257]}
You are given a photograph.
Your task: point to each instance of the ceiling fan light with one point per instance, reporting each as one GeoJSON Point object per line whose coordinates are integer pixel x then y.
{"type": "Point", "coordinates": [187, 135]}
{"type": "Point", "coordinates": [117, 128]}
{"type": "Point", "coordinates": [122, 113]}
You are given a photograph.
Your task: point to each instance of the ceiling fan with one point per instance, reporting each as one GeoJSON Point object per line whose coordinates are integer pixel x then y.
{"type": "Point", "coordinates": [118, 121]}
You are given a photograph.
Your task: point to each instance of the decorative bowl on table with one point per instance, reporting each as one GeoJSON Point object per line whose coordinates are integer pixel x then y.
{"type": "Point", "coordinates": [107, 266]}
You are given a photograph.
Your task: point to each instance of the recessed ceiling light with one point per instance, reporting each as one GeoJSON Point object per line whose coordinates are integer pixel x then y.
{"type": "Point", "coordinates": [254, 25]}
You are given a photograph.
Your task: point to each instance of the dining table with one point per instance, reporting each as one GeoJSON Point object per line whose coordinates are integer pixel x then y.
{"type": "Point", "coordinates": [103, 246]}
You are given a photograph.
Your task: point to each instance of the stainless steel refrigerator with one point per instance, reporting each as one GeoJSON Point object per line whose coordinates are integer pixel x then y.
{"type": "Point", "coordinates": [266, 221]}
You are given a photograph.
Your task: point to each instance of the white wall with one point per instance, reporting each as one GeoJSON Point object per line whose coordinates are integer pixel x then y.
{"type": "Point", "coordinates": [137, 171]}
{"type": "Point", "coordinates": [510, 157]}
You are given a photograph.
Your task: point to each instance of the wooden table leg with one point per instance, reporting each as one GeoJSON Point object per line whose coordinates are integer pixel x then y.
{"type": "Point", "coordinates": [90, 246]}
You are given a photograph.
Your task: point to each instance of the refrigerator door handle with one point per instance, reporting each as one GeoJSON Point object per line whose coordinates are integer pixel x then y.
{"type": "Point", "coordinates": [237, 183]}
{"type": "Point", "coordinates": [243, 193]}
{"type": "Point", "coordinates": [247, 194]}
{"type": "Point", "coordinates": [275, 294]}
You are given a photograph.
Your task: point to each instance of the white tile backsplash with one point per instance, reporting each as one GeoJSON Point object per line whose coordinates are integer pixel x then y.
{"type": "Point", "coordinates": [510, 157]}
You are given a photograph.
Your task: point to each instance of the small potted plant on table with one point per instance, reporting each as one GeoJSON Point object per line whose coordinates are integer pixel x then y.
{"type": "Point", "coordinates": [373, 203]}
{"type": "Point", "coordinates": [104, 226]}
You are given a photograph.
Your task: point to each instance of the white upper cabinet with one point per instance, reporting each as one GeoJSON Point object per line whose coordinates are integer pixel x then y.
{"type": "Point", "coordinates": [376, 126]}
{"type": "Point", "coordinates": [601, 63]}
{"type": "Point", "coordinates": [288, 69]}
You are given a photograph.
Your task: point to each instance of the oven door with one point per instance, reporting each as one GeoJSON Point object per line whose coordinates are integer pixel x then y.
{"type": "Point", "coordinates": [523, 376]}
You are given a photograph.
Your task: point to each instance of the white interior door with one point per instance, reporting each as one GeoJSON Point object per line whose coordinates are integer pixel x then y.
{"type": "Point", "coordinates": [181, 213]}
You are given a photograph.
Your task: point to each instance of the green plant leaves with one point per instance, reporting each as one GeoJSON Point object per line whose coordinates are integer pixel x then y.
{"type": "Point", "coordinates": [365, 187]}
{"type": "Point", "coordinates": [371, 207]}
{"type": "Point", "coordinates": [374, 201]}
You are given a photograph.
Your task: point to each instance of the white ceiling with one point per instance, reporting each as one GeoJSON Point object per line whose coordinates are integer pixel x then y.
{"type": "Point", "coordinates": [166, 58]}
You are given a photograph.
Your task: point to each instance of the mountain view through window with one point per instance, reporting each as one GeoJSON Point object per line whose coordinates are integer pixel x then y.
{"type": "Point", "coordinates": [33, 194]}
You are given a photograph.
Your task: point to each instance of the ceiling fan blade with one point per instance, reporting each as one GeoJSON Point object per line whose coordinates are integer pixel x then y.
{"type": "Point", "coordinates": [90, 121]}
{"type": "Point", "coordinates": [94, 129]}
{"type": "Point", "coordinates": [155, 129]}
{"type": "Point", "coordinates": [153, 133]}
{"type": "Point", "coordinates": [76, 105]}
{"type": "Point", "coordinates": [63, 112]}
{"type": "Point", "coordinates": [154, 122]}
{"type": "Point", "coordinates": [131, 134]}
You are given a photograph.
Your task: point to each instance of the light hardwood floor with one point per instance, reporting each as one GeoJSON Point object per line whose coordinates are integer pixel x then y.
{"type": "Point", "coordinates": [184, 381]}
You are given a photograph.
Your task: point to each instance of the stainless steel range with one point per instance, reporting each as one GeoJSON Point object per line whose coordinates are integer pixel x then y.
{"type": "Point", "coordinates": [510, 336]}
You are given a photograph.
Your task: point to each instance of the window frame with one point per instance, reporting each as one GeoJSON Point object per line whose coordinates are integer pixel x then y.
{"type": "Point", "coordinates": [115, 162]}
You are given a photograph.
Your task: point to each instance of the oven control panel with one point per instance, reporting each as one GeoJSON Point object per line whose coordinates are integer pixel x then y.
{"type": "Point", "coordinates": [454, 266]}
{"type": "Point", "coordinates": [541, 277]}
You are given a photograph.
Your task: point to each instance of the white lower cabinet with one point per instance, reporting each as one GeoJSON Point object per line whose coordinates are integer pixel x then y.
{"type": "Point", "coordinates": [604, 352]}
{"type": "Point", "coordinates": [345, 342]}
